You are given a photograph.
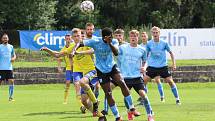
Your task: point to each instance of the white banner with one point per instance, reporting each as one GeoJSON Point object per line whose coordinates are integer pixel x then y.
{"type": "Point", "coordinates": [191, 43]}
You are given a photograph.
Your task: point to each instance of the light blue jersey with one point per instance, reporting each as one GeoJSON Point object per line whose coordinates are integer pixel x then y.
{"type": "Point", "coordinates": [144, 46]}
{"type": "Point", "coordinates": [104, 56]}
{"type": "Point", "coordinates": [6, 53]}
{"type": "Point", "coordinates": [157, 53]}
{"type": "Point", "coordinates": [130, 60]}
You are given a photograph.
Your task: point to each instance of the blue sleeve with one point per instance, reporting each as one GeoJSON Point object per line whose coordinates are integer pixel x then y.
{"type": "Point", "coordinates": [115, 43]}
{"type": "Point", "coordinates": [12, 51]}
{"type": "Point", "coordinates": [120, 50]}
{"type": "Point", "coordinates": [167, 47]}
{"type": "Point", "coordinates": [147, 48]}
{"type": "Point", "coordinates": [144, 55]}
{"type": "Point", "coordinates": [89, 42]}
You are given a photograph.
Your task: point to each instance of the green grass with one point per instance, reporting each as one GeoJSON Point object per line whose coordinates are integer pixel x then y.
{"type": "Point", "coordinates": [54, 63]}
{"type": "Point", "coordinates": [44, 103]}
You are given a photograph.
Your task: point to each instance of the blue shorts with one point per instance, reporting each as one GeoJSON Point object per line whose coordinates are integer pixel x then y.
{"type": "Point", "coordinates": [78, 75]}
{"type": "Point", "coordinates": [69, 75]}
{"type": "Point", "coordinates": [93, 80]}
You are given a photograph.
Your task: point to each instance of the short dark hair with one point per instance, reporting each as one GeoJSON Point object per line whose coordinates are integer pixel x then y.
{"type": "Point", "coordinates": [119, 31]}
{"type": "Point", "coordinates": [89, 24]}
{"type": "Point", "coordinates": [106, 31]}
{"type": "Point", "coordinates": [4, 33]}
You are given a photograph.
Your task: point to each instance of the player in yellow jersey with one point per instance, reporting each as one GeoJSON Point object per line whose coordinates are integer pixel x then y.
{"type": "Point", "coordinates": [84, 70]}
{"type": "Point", "coordinates": [69, 77]}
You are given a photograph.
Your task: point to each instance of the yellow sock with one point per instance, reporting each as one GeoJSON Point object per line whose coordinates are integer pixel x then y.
{"type": "Point", "coordinates": [78, 98]}
{"type": "Point", "coordinates": [66, 94]}
{"type": "Point", "coordinates": [91, 95]}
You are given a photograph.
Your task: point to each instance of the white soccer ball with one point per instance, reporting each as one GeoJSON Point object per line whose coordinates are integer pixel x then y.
{"type": "Point", "coordinates": [87, 6]}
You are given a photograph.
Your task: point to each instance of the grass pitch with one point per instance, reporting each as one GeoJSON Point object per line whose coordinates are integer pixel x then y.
{"type": "Point", "coordinates": [44, 103]}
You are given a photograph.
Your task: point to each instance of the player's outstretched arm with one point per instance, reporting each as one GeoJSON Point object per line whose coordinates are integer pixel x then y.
{"type": "Point", "coordinates": [51, 52]}
{"type": "Point", "coordinates": [60, 70]}
{"type": "Point", "coordinates": [75, 48]}
{"type": "Point", "coordinates": [87, 52]}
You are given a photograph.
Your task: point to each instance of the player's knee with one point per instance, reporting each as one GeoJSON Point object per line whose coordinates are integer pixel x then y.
{"type": "Point", "coordinates": [142, 93]}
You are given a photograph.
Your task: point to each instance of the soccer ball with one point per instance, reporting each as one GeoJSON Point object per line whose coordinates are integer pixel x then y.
{"type": "Point", "coordinates": [87, 6]}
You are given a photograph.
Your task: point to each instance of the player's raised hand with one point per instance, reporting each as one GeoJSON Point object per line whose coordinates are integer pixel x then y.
{"type": "Point", "coordinates": [108, 39]}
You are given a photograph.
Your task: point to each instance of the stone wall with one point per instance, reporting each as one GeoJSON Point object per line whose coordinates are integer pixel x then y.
{"type": "Point", "coordinates": [46, 75]}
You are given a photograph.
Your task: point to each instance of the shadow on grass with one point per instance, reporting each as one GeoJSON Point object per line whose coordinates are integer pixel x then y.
{"type": "Point", "coordinates": [77, 116]}
{"type": "Point", "coordinates": [53, 113]}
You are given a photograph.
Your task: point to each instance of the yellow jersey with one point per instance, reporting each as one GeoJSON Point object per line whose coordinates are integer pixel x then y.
{"type": "Point", "coordinates": [83, 62]}
{"type": "Point", "coordinates": [67, 51]}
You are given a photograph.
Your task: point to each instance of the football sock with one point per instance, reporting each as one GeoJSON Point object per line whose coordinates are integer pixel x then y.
{"type": "Point", "coordinates": [66, 94]}
{"type": "Point", "coordinates": [11, 89]}
{"type": "Point", "coordinates": [160, 89]}
{"type": "Point", "coordinates": [175, 91]}
{"type": "Point", "coordinates": [147, 105]}
{"type": "Point", "coordinates": [91, 95]}
{"type": "Point", "coordinates": [128, 100]}
{"type": "Point", "coordinates": [115, 111]}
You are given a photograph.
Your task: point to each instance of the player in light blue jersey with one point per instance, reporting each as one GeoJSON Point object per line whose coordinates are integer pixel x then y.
{"type": "Point", "coordinates": [135, 55]}
{"type": "Point", "coordinates": [104, 48]}
{"type": "Point", "coordinates": [157, 61]}
{"type": "Point", "coordinates": [144, 36]}
{"type": "Point", "coordinates": [7, 56]}
{"type": "Point", "coordinates": [119, 35]}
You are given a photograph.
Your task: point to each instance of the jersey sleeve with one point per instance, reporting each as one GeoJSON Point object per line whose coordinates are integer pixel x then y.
{"type": "Point", "coordinates": [144, 57]}
{"type": "Point", "coordinates": [89, 42]}
{"type": "Point", "coordinates": [12, 51]}
{"type": "Point", "coordinates": [167, 47]}
{"type": "Point", "coordinates": [147, 48]}
{"type": "Point", "coordinates": [115, 43]}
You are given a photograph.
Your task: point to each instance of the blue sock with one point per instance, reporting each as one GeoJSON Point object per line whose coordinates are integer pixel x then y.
{"type": "Point", "coordinates": [128, 100]}
{"type": "Point", "coordinates": [175, 91]}
{"type": "Point", "coordinates": [126, 104]}
{"type": "Point", "coordinates": [115, 111]}
{"type": "Point", "coordinates": [160, 89]}
{"type": "Point", "coordinates": [11, 88]}
{"type": "Point", "coordinates": [147, 105]}
{"type": "Point", "coordinates": [146, 88]}
{"type": "Point", "coordinates": [106, 105]}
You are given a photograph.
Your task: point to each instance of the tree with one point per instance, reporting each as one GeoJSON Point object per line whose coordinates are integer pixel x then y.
{"type": "Point", "coordinates": [28, 14]}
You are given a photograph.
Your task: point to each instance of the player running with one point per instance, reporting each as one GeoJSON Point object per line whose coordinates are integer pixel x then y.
{"type": "Point", "coordinates": [133, 54]}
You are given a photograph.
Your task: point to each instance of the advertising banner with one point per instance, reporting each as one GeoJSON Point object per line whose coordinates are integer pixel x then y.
{"type": "Point", "coordinates": [191, 43]}
{"type": "Point", "coordinates": [54, 40]}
